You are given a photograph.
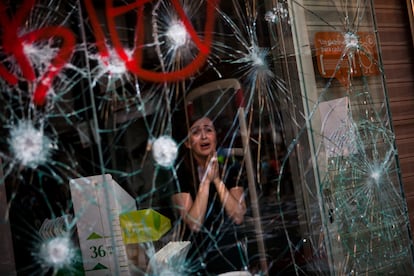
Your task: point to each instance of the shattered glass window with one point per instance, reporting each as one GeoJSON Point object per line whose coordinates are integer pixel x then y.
{"type": "Point", "coordinates": [100, 164]}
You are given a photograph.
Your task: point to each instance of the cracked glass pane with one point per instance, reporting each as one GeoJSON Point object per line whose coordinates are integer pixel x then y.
{"type": "Point", "coordinates": [198, 138]}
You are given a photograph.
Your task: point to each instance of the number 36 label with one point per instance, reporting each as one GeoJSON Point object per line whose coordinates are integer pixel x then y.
{"type": "Point", "coordinates": [100, 251]}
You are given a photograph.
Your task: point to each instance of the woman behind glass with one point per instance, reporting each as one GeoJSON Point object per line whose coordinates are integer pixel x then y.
{"type": "Point", "coordinates": [209, 205]}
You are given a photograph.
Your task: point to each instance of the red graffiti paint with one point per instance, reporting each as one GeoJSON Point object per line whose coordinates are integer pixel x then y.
{"type": "Point", "coordinates": [134, 62]}
{"type": "Point", "coordinates": [13, 44]}
{"type": "Point", "coordinates": [57, 63]}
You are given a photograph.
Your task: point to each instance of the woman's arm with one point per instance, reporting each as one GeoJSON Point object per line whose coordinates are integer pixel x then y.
{"type": "Point", "coordinates": [193, 212]}
{"type": "Point", "coordinates": [233, 200]}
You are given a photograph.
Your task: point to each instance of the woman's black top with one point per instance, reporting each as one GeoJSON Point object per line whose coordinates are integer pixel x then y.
{"type": "Point", "coordinates": [217, 247]}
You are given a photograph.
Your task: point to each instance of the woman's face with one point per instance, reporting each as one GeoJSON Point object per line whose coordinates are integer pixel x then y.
{"type": "Point", "coordinates": [202, 138]}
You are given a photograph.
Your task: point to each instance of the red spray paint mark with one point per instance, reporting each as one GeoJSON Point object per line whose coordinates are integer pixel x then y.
{"type": "Point", "coordinates": [13, 44]}
{"type": "Point", "coordinates": [57, 63]}
{"type": "Point", "coordinates": [134, 63]}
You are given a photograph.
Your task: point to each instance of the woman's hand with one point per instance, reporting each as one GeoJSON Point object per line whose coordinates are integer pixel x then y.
{"type": "Point", "coordinates": [212, 169]}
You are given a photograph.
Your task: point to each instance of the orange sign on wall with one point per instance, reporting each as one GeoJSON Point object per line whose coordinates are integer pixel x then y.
{"type": "Point", "coordinates": [343, 56]}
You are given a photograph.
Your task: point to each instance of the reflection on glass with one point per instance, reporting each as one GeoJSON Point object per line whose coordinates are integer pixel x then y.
{"type": "Point", "coordinates": [97, 103]}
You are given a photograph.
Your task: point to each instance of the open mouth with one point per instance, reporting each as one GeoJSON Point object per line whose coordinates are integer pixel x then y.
{"type": "Point", "coordinates": [205, 146]}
